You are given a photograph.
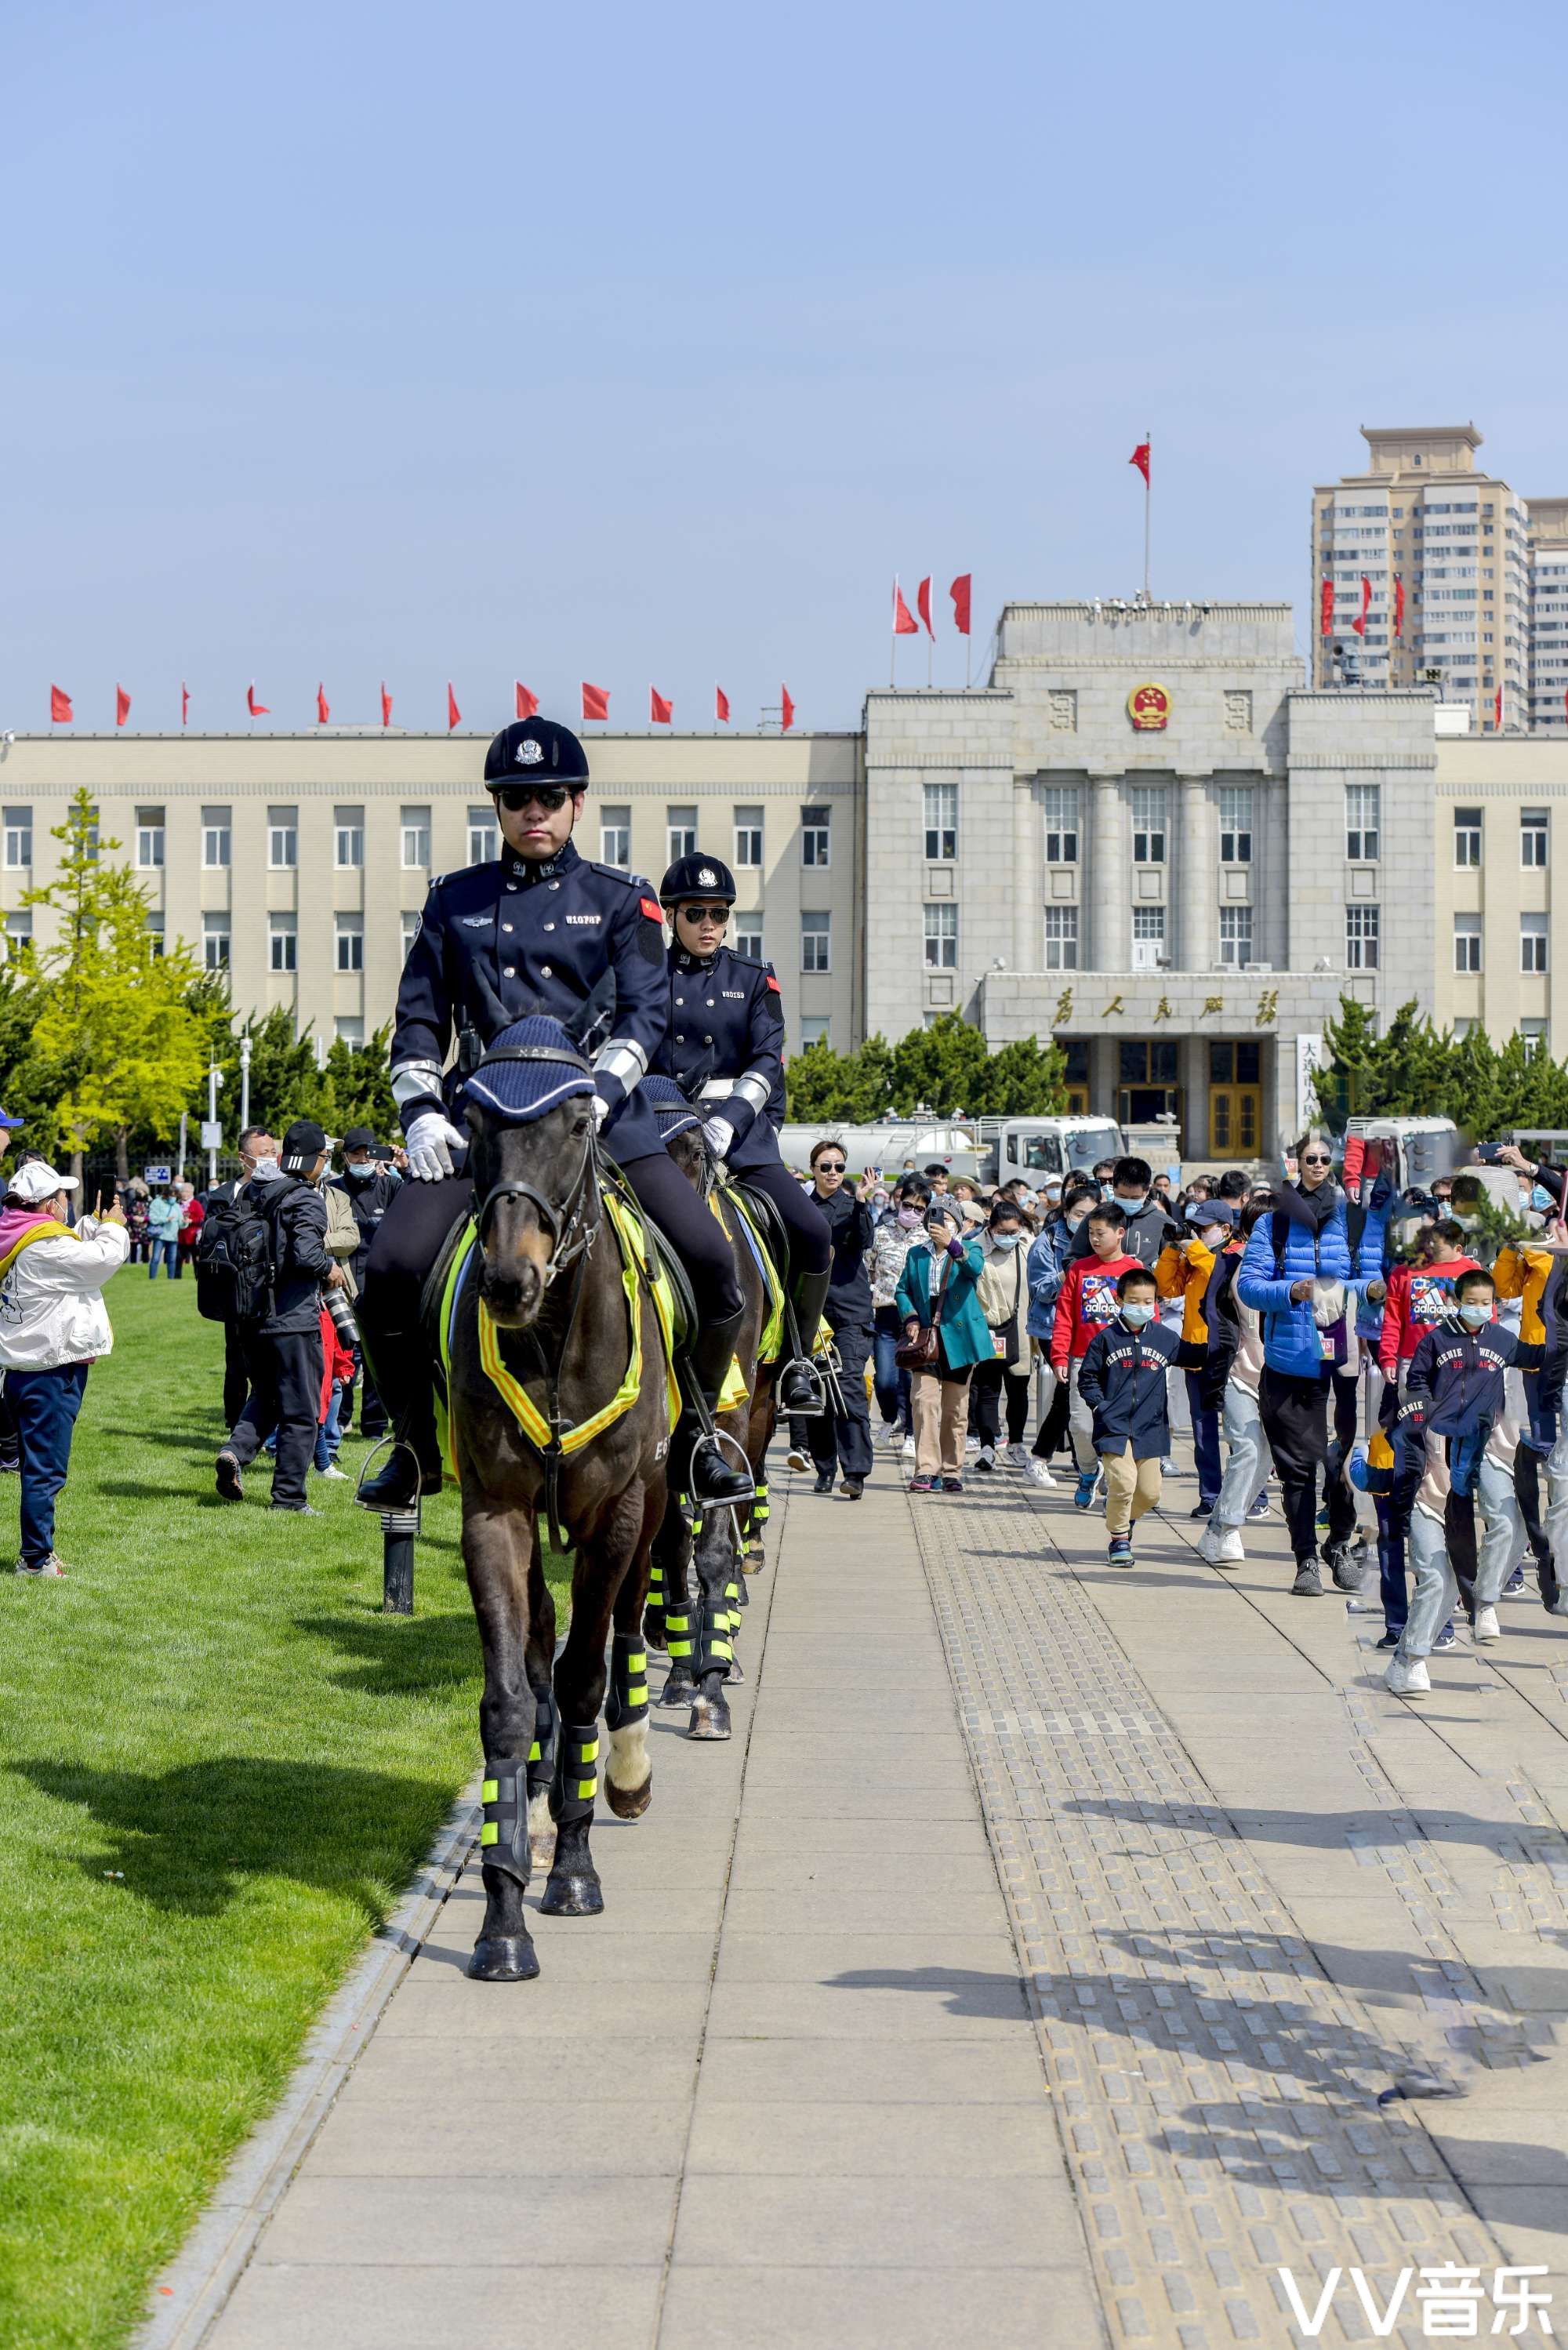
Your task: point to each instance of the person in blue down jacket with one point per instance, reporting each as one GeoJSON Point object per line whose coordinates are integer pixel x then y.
{"type": "Point", "coordinates": [1305, 1270]}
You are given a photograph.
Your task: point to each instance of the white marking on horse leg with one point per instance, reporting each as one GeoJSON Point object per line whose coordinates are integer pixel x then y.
{"type": "Point", "coordinates": [628, 1766]}
{"type": "Point", "coordinates": [541, 1826]}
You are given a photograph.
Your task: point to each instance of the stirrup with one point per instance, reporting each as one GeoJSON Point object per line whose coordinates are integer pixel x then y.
{"type": "Point", "coordinates": [364, 1493]}
{"type": "Point", "coordinates": [713, 1440]}
{"type": "Point", "coordinates": [800, 1387]}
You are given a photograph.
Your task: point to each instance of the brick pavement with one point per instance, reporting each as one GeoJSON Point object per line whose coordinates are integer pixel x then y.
{"type": "Point", "coordinates": [1028, 1968]}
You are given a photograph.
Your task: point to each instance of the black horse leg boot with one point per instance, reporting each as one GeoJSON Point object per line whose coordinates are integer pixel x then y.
{"type": "Point", "coordinates": [413, 1466]}
{"type": "Point", "coordinates": [800, 1382]}
{"type": "Point", "coordinates": [712, 1472]}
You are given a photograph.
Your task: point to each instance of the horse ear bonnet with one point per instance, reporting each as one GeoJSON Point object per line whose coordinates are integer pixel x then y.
{"type": "Point", "coordinates": [518, 1092]}
{"type": "Point", "coordinates": [669, 1105]}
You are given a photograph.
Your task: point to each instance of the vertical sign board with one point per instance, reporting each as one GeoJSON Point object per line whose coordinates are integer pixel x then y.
{"type": "Point", "coordinates": [1310, 1057]}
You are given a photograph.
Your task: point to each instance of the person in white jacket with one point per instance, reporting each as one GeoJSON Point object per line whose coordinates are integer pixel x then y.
{"type": "Point", "coordinates": [53, 1328]}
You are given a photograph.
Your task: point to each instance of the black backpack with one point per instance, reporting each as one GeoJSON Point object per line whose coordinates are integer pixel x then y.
{"type": "Point", "coordinates": [234, 1261]}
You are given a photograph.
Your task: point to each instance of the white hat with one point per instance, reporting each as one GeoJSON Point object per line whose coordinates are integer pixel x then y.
{"type": "Point", "coordinates": [38, 1180]}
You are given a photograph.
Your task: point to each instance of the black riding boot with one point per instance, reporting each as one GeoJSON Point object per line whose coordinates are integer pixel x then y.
{"type": "Point", "coordinates": [800, 1386]}
{"type": "Point", "coordinates": [413, 1466]}
{"type": "Point", "coordinates": [705, 1470]}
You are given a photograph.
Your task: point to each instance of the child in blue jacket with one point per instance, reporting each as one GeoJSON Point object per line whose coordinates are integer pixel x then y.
{"type": "Point", "coordinates": [1122, 1379]}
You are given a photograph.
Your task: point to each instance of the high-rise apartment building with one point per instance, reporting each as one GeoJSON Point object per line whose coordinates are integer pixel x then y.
{"type": "Point", "coordinates": [1438, 562]}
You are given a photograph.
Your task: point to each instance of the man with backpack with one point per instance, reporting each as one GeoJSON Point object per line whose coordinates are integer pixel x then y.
{"type": "Point", "coordinates": [265, 1268]}
{"type": "Point", "coordinates": [257, 1148]}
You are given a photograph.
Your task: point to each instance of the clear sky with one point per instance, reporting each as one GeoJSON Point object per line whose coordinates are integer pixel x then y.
{"type": "Point", "coordinates": [351, 341]}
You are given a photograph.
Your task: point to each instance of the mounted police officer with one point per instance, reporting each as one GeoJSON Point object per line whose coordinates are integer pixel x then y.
{"type": "Point", "coordinates": [726, 1039]}
{"type": "Point", "coordinates": [539, 929]}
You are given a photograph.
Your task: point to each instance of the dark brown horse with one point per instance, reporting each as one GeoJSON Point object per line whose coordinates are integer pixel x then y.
{"type": "Point", "coordinates": [701, 1638]}
{"type": "Point", "coordinates": [545, 1294]}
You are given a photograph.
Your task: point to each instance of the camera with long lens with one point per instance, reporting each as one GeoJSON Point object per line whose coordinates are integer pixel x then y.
{"type": "Point", "coordinates": [342, 1313]}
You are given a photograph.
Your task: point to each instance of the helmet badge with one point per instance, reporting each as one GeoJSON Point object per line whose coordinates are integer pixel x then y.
{"type": "Point", "coordinates": [706, 877]}
{"type": "Point", "coordinates": [530, 754]}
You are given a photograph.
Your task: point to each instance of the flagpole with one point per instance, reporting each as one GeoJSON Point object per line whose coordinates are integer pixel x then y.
{"type": "Point", "coordinates": [1148, 497]}
{"type": "Point", "coordinates": [893, 652]}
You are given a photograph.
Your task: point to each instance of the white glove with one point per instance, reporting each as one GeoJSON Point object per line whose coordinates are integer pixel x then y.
{"type": "Point", "coordinates": [602, 1111]}
{"type": "Point", "coordinates": [718, 1134]}
{"type": "Point", "coordinates": [431, 1141]}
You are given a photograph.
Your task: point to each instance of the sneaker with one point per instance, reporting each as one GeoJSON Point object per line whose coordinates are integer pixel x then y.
{"type": "Point", "coordinates": [1445, 1638]}
{"type": "Point", "coordinates": [907, 1447]}
{"type": "Point", "coordinates": [1408, 1677]}
{"type": "Point", "coordinates": [1308, 1584]}
{"type": "Point", "coordinates": [1037, 1472]}
{"type": "Point", "coordinates": [1514, 1587]}
{"type": "Point", "coordinates": [796, 1460]}
{"type": "Point", "coordinates": [332, 1469]}
{"type": "Point", "coordinates": [919, 1484]}
{"type": "Point", "coordinates": [824, 1481]}
{"type": "Point", "coordinates": [1120, 1552]}
{"type": "Point", "coordinates": [986, 1458]}
{"type": "Point", "coordinates": [1084, 1491]}
{"type": "Point", "coordinates": [1200, 1509]}
{"type": "Point", "coordinates": [1258, 1510]}
{"type": "Point", "coordinates": [10, 1464]}
{"type": "Point", "coordinates": [1221, 1545]}
{"type": "Point", "coordinates": [1486, 1626]}
{"type": "Point", "coordinates": [1346, 1574]}
{"type": "Point", "coordinates": [1016, 1457]}
{"type": "Point", "coordinates": [972, 1445]}
{"type": "Point", "coordinates": [295, 1509]}
{"type": "Point", "coordinates": [854, 1487]}
{"type": "Point", "coordinates": [230, 1484]}
{"type": "Point", "coordinates": [37, 1567]}
{"type": "Point", "coordinates": [949, 1485]}
{"type": "Point", "coordinates": [891, 1434]}
{"type": "Point", "coordinates": [1389, 1640]}
{"type": "Point", "coordinates": [1321, 1521]}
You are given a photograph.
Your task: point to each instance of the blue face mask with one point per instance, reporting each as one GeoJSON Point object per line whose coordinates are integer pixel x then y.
{"type": "Point", "coordinates": [1475, 1317]}
{"type": "Point", "coordinates": [1136, 1315]}
{"type": "Point", "coordinates": [1542, 1198]}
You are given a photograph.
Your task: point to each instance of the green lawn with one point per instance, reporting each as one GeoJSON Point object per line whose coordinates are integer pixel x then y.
{"type": "Point", "coordinates": [219, 1765]}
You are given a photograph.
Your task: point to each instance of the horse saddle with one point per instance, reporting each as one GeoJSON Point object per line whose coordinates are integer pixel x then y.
{"type": "Point", "coordinates": [664, 1259]}
{"type": "Point", "coordinates": [769, 1223]}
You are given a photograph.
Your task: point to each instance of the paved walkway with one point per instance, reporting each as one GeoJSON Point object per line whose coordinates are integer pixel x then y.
{"type": "Point", "coordinates": [1027, 1970]}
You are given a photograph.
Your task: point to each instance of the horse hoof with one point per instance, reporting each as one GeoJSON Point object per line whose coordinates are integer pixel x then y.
{"type": "Point", "coordinates": [754, 1560]}
{"type": "Point", "coordinates": [710, 1719]}
{"type": "Point", "coordinates": [677, 1688]}
{"type": "Point", "coordinates": [572, 1896]}
{"type": "Point", "coordinates": [629, 1802]}
{"type": "Point", "coordinates": [743, 1597]}
{"type": "Point", "coordinates": [503, 1957]}
{"type": "Point", "coordinates": [734, 1673]}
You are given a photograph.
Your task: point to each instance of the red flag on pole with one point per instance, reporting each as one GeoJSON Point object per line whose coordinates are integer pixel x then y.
{"type": "Point", "coordinates": [596, 701]}
{"type": "Point", "coordinates": [923, 604]}
{"type": "Point", "coordinates": [721, 705]}
{"type": "Point", "coordinates": [59, 706]}
{"type": "Point", "coordinates": [1140, 459]}
{"type": "Point", "coordinates": [454, 714]}
{"type": "Point", "coordinates": [958, 591]}
{"type": "Point", "coordinates": [323, 710]}
{"type": "Point", "coordinates": [184, 704]}
{"type": "Point", "coordinates": [122, 706]}
{"type": "Point", "coordinates": [659, 710]}
{"type": "Point", "coordinates": [1497, 710]}
{"type": "Point", "coordinates": [527, 704]}
{"type": "Point", "coordinates": [1359, 623]}
{"type": "Point", "coordinates": [386, 705]}
{"type": "Point", "coordinates": [1399, 605]}
{"type": "Point", "coordinates": [257, 709]}
{"type": "Point", "coordinates": [1325, 607]}
{"type": "Point", "coordinates": [904, 621]}
{"type": "Point", "coordinates": [786, 710]}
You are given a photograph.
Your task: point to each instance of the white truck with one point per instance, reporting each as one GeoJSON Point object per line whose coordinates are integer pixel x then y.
{"type": "Point", "coordinates": [1423, 1148]}
{"type": "Point", "coordinates": [991, 1150]}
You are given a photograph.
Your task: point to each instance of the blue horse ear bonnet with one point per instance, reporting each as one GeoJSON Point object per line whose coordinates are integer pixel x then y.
{"type": "Point", "coordinates": [518, 1092]}
{"type": "Point", "coordinates": [669, 1105]}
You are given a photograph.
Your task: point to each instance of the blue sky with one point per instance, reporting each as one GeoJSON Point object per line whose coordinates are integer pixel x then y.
{"type": "Point", "coordinates": [351, 341]}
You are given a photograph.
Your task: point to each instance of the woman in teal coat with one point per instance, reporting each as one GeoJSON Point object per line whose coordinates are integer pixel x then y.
{"type": "Point", "coordinates": [946, 1264]}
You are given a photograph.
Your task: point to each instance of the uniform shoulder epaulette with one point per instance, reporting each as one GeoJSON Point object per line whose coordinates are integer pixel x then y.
{"type": "Point", "coordinates": [747, 963]}
{"type": "Point", "coordinates": [618, 873]}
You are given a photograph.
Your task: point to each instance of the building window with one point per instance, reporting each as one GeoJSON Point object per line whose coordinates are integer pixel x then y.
{"type": "Point", "coordinates": [749, 936]}
{"type": "Point", "coordinates": [155, 936]}
{"type": "Point", "coordinates": [1236, 826]}
{"type": "Point", "coordinates": [1467, 942]}
{"type": "Point", "coordinates": [215, 944]}
{"type": "Point", "coordinates": [149, 838]}
{"type": "Point", "coordinates": [416, 830]}
{"type": "Point", "coordinates": [350, 929]}
{"type": "Point", "coordinates": [1532, 937]}
{"type": "Point", "coordinates": [1236, 934]}
{"type": "Point", "coordinates": [347, 837]}
{"type": "Point", "coordinates": [1362, 929]}
{"type": "Point", "coordinates": [1534, 835]}
{"type": "Point", "coordinates": [19, 835]}
{"type": "Point", "coordinates": [282, 840]}
{"type": "Point", "coordinates": [1467, 837]}
{"type": "Point", "coordinates": [1363, 821]}
{"type": "Point", "coordinates": [411, 931]}
{"type": "Point", "coordinates": [941, 822]}
{"type": "Point", "coordinates": [681, 833]}
{"type": "Point", "coordinates": [350, 1030]}
{"type": "Point", "coordinates": [484, 836]}
{"type": "Point", "coordinates": [215, 838]}
{"type": "Point", "coordinates": [748, 835]}
{"type": "Point", "coordinates": [816, 943]}
{"type": "Point", "coordinates": [1532, 1037]}
{"type": "Point", "coordinates": [941, 938]}
{"type": "Point", "coordinates": [814, 836]}
{"type": "Point", "coordinates": [816, 1030]}
{"type": "Point", "coordinates": [1061, 937]}
{"type": "Point", "coordinates": [1148, 937]}
{"type": "Point", "coordinates": [614, 838]}
{"type": "Point", "coordinates": [18, 931]}
{"type": "Point", "coordinates": [1149, 825]}
{"type": "Point", "coordinates": [1061, 825]}
{"type": "Point", "coordinates": [283, 941]}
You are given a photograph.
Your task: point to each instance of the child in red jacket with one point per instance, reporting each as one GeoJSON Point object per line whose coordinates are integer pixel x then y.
{"type": "Point", "coordinates": [337, 1376]}
{"type": "Point", "coordinates": [1420, 1295]}
{"type": "Point", "coordinates": [1086, 1303]}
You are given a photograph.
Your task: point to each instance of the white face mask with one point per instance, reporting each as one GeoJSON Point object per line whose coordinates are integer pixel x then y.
{"type": "Point", "coordinates": [1006, 1240]}
{"type": "Point", "coordinates": [266, 1167]}
{"type": "Point", "coordinates": [1475, 1317]}
{"type": "Point", "coordinates": [1136, 1316]}
{"type": "Point", "coordinates": [1129, 1203]}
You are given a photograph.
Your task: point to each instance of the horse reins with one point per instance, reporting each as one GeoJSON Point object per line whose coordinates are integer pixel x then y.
{"type": "Point", "coordinates": [568, 1220]}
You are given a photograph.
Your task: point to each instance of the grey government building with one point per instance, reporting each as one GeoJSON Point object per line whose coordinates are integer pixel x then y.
{"type": "Point", "coordinates": [1143, 835]}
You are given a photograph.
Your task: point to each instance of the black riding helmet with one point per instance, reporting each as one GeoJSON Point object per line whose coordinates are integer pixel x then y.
{"type": "Point", "coordinates": [535, 751]}
{"type": "Point", "coordinates": [697, 877]}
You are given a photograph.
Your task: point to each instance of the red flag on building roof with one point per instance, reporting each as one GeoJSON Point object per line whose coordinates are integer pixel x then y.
{"type": "Point", "coordinates": [527, 704]}
{"type": "Point", "coordinates": [454, 714]}
{"type": "Point", "coordinates": [721, 705]}
{"type": "Point", "coordinates": [323, 709]}
{"type": "Point", "coordinates": [659, 712]}
{"type": "Point", "coordinates": [386, 705]}
{"type": "Point", "coordinates": [1399, 605]}
{"type": "Point", "coordinates": [257, 709]}
{"type": "Point", "coordinates": [958, 591]}
{"type": "Point", "coordinates": [596, 701]}
{"type": "Point", "coordinates": [122, 706]}
{"type": "Point", "coordinates": [184, 704]}
{"type": "Point", "coordinates": [1497, 710]}
{"type": "Point", "coordinates": [923, 604]}
{"type": "Point", "coordinates": [786, 710]}
{"type": "Point", "coordinates": [59, 706]}
{"type": "Point", "coordinates": [1140, 459]}
{"type": "Point", "coordinates": [1325, 607]}
{"type": "Point", "coordinates": [904, 621]}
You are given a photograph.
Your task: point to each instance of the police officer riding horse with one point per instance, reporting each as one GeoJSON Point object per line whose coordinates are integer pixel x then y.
{"type": "Point", "coordinates": [538, 929]}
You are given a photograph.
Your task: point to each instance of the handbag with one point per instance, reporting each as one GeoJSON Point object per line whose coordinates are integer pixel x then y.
{"type": "Point", "coordinates": [1005, 1334]}
{"type": "Point", "coordinates": [923, 1351]}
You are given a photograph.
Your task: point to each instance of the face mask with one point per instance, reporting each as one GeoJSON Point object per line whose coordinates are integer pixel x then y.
{"type": "Point", "coordinates": [1135, 1316]}
{"type": "Point", "coordinates": [1542, 1198]}
{"type": "Point", "coordinates": [1006, 1240]}
{"type": "Point", "coordinates": [909, 1218]}
{"type": "Point", "coordinates": [1465, 1223]}
{"type": "Point", "coordinates": [1474, 1317]}
{"type": "Point", "coordinates": [266, 1168]}
{"type": "Point", "coordinates": [1129, 1203]}
{"type": "Point", "coordinates": [359, 1171]}
{"type": "Point", "coordinates": [1214, 1235]}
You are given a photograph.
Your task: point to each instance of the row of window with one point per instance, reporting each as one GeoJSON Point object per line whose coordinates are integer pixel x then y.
{"type": "Point", "coordinates": [348, 938]}
{"type": "Point", "coordinates": [1148, 943]}
{"type": "Point", "coordinates": [1534, 935]}
{"type": "Point", "coordinates": [1534, 837]}
{"type": "Point", "coordinates": [1150, 827]}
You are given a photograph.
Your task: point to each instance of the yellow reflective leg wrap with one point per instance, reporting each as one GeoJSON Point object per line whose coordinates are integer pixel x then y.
{"type": "Point", "coordinates": [628, 1701]}
{"type": "Point", "coordinates": [577, 1779]}
{"type": "Point", "coordinates": [655, 1585]}
{"type": "Point", "coordinates": [542, 1753]}
{"type": "Point", "coordinates": [760, 1506]}
{"type": "Point", "coordinates": [677, 1637]}
{"type": "Point", "coordinates": [714, 1648]}
{"type": "Point", "coordinates": [503, 1837]}
{"type": "Point", "coordinates": [732, 1593]}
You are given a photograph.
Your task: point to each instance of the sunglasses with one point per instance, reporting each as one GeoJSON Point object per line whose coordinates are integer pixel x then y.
{"type": "Point", "coordinates": [830, 1166]}
{"type": "Point", "coordinates": [717, 915]}
{"type": "Point", "coordinates": [1317, 1158]}
{"type": "Point", "coordinates": [515, 797]}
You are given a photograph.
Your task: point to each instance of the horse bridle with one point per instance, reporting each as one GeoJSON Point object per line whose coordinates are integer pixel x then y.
{"type": "Point", "coordinates": [572, 1220]}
